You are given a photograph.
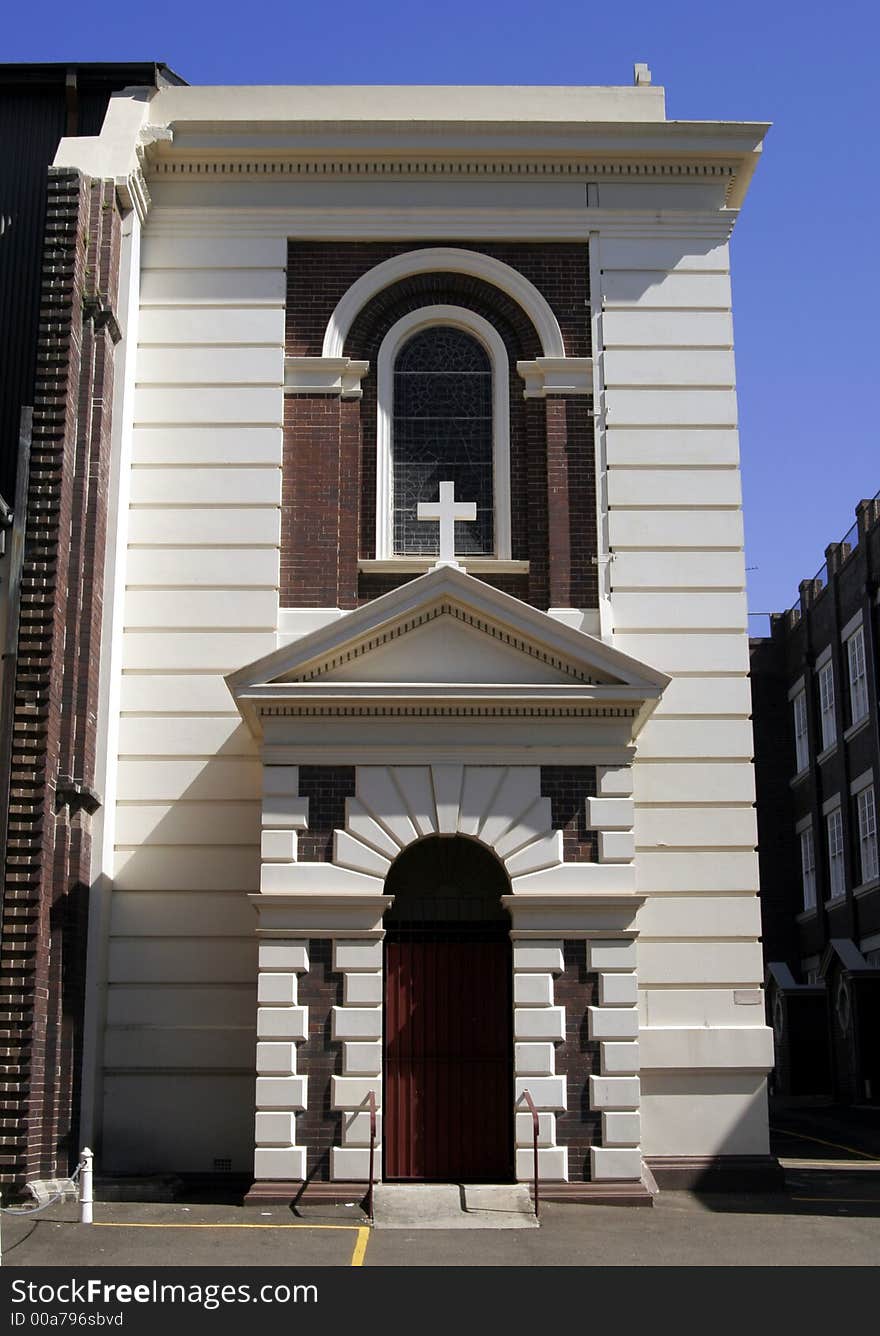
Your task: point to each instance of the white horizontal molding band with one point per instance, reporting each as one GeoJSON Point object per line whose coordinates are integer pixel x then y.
{"type": "Point", "coordinates": [324, 375]}
{"type": "Point", "coordinates": [706, 1048]}
{"type": "Point", "coordinates": [556, 375]}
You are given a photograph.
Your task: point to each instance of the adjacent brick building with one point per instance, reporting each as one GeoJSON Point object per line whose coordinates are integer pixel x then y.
{"type": "Point", "coordinates": [815, 689]}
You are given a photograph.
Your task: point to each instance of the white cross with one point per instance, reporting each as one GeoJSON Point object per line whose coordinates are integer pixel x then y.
{"type": "Point", "coordinates": [447, 510]}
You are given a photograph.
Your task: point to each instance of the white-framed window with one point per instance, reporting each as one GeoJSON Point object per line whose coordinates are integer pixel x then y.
{"type": "Point", "coordinates": [858, 679]}
{"type": "Point", "coordinates": [801, 740]}
{"type": "Point", "coordinates": [443, 416]}
{"type": "Point", "coordinates": [808, 868]}
{"type": "Point", "coordinates": [826, 704]}
{"type": "Point", "coordinates": [836, 871]}
{"type": "Point", "coordinates": [867, 818]}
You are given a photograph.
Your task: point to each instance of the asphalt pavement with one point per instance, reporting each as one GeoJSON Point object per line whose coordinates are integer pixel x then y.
{"type": "Point", "coordinates": [828, 1215]}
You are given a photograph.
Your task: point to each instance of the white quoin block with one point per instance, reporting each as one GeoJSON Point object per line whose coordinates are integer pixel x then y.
{"type": "Point", "coordinates": [538, 955]}
{"type": "Point", "coordinates": [358, 989]}
{"type": "Point", "coordinates": [552, 1164]}
{"type": "Point", "coordinates": [614, 1092]}
{"type": "Point", "coordinates": [277, 989]}
{"type": "Point", "coordinates": [356, 1129]}
{"type": "Point", "coordinates": [539, 1023]}
{"type": "Point", "coordinates": [283, 1022]}
{"type": "Point", "coordinates": [613, 1022]}
{"type": "Point", "coordinates": [278, 846]}
{"type": "Point", "coordinates": [275, 1129]}
{"type": "Point", "coordinates": [357, 1023]}
{"type": "Point", "coordinates": [621, 1129]}
{"type": "Point", "coordinates": [281, 779]}
{"type": "Point", "coordinates": [614, 781]}
{"type": "Point", "coordinates": [614, 954]}
{"type": "Point", "coordinates": [610, 813]}
{"type": "Point", "coordinates": [282, 1092]}
{"type": "Point", "coordinates": [548, 1092]}
{"type": "Point", "coordinates": [608, 1164]}
{"type": "Point", "coordinates": [619, 1058]}
{"type": "Point", "coordinates": [276, 1162]}
{"type": "Point", "coordinates": [349, 1092]}
{"type": "Point", "coordinates": [362, 1059]}
{"type": "Point", "coordinates": [352, 1164]}
{"type": "Point", "coordinates": [618, 990]}
{"type": "Point", "coordinates": [616, 846]}
{"type": "Point", "coordinates": [534, 1059]}
{"type": "Point", "coordinates": [276, 1059]}
{"type": "Point", "coordinates": [280, 810]}
{"type": "Point", "coordinates": [546, 1129]}
{"type": "Point", "coordinates": [533, 990]}
{"type": "Point", "coordinates": [357, 955]}
{"type": "Point", "coordinates": [279, 955]}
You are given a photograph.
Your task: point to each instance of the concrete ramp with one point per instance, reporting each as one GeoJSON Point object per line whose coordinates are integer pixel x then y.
{"type": "Point", "coordinates": [453, 1206]}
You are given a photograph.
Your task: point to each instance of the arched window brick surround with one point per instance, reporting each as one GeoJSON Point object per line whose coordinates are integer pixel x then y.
{"type": "Point", "coordinates": [330, 445]}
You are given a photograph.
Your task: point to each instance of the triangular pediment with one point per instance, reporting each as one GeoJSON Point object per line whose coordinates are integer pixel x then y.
{"type": "Point", "coordinates": [444, 636]}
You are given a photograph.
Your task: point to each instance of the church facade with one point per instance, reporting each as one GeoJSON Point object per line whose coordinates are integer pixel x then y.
{"type": "Point", "coordinates": [421, 767]}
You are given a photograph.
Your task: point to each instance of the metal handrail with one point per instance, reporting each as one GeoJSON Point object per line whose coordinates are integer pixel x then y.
{"type": "Point", "coordinates": [527, 1097]}
{"type": "Point", "coordinates": [371, 1103]}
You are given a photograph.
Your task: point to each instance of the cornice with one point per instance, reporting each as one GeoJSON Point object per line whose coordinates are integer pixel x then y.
{"type": "Point", "coordinates": [268, 167]}
{"type": "Point", "coordinates": [441, 225]}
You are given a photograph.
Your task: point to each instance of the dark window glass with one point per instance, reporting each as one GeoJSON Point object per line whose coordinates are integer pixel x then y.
{"type": "Point", "coordinates": [442, 432]}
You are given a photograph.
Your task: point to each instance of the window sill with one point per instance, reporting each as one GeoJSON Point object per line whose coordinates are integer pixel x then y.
{"type": "Point", "coordinates": [857, 728]}
{"type": "Point", "coordinates": [806, 915]}
{"type": "Point", "coordinates": [799, 777]}
{"type": "Point", "coordinates": [418, 565]}
{"type": "Point", "coordinates": [835, 901]}
{"type": "Point", "coordinates": [829, 751]}
{"type": "Point", "coordinates": [867, 887]}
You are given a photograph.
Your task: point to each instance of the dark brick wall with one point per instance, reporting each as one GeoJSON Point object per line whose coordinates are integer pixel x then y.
{"type": "Point", "coordinates": [55, 693]}
{"type": "Point", "coordinates": [319, 1058]}
{"type": "Point", "coordinates": [568, 787]}
{"type": "Point", "coordinates": [577, 1060]}
{"type": "Point", "coordinates": [326, 788]}
{"type": "Point", "coordinates": [328, 517]}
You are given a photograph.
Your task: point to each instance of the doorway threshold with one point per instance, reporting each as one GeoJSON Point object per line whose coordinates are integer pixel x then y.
{"type": "Point", "coordinates": [453, 1206]}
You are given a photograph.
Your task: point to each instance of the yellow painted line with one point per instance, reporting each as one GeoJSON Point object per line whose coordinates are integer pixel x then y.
{"type": "Point", "coordinates": [186, 1224]}
{"type": "Point", "coordinates": [817, 1141]}
{"type": "Point", "coordinates": [360, 1247]}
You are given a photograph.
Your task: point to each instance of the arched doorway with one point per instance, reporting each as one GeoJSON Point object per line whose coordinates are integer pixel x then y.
{"type": "Point", "coordinates": [448, 1099]}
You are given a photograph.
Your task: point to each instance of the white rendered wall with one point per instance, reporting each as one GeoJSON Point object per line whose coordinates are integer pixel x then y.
{"type": "Point", "coordinates": [201, 599]}
{"type": "Point", "coordinates": [677, 597]}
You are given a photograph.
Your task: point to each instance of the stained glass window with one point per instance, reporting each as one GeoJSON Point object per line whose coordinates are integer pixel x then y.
{"type": "Point", "coordinates": [442, 432]}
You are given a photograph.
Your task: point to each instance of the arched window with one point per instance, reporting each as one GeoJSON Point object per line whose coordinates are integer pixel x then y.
{"type": "Point", "coordinates": [443, 416]}
{"type": "Point", "coordinates": [442, 431]}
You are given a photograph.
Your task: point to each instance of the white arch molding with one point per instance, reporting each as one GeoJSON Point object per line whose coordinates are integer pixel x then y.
{"type": "Point", "coordinates": [460, 318]}
{"type": "Point", "coordinates": [444, 259]}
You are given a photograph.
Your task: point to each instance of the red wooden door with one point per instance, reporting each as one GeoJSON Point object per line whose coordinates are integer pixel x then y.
{"type": "Point", "coordinates": [448, 1106]}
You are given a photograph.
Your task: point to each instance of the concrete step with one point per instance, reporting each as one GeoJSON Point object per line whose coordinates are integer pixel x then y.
{"type": "Point", "coordinates": [453, 1206]}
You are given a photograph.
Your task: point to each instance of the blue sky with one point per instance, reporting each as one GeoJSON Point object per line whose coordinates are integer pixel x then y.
{"type": "Point", "coordinates": [806, 262]}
